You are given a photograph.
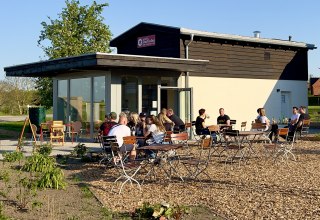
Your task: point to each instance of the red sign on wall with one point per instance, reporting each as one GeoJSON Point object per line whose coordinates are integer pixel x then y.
{"type": "Point", "coordinates": [146, 41]}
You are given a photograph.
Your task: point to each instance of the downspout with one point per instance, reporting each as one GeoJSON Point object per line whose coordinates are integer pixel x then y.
{"type": "Point", "coordinates": [187, 57]}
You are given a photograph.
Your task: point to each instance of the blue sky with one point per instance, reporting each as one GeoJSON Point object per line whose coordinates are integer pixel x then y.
{"type": "Point", "coordinates": [20, 21]}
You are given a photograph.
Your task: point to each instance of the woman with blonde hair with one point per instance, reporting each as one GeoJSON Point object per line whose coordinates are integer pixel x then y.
{"type": "Point", "coordinates": [155, 131]}
{"type": "Point", "coordinates": [263, 118]}
{"type": "Point", "coordinates": [133, 124]}
{"type": "Point", "coordinates": [166, 122]}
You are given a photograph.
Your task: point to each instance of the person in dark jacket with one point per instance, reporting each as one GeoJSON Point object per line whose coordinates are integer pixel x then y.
{"type": "Point", "coordinates": [178, 123]}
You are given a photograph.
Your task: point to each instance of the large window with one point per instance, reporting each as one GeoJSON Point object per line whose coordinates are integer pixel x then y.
{"type": "Point", "coordinates": [62, 100]}
{"type": "Point", "coordinates": [99, 100]}
{"type": "Point", "coordinates": [80, 98]}
{"type": "Point", "coordinates": [129, 94]}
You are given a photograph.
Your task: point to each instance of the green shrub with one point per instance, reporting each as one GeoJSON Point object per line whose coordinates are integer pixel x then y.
{"type": "Point", "coordinates": [52, 179]}
{"type": "Point", "coordinates": [80, 150]}
{"type": "Point", "coordinates": [45, 149]}
{"type": "Point", "coordinates": [12, 156]}
{"type": "Point", "coordinates": [160, 211]}
{"type": "Point", "coordinates": [39, 163]}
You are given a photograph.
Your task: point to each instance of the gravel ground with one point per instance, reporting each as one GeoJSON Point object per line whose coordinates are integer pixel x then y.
{"type": "Point", "coordinates": [258, 189]}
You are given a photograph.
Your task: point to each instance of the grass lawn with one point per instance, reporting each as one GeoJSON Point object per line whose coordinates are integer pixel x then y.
{"type": "Point", "coordinates": [313, 112]}
{"type": "Point", "coordinates": [12, 126]}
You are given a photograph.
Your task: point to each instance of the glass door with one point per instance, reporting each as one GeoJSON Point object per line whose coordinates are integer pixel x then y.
{"type": "Point", "coordinates": [179, 99]}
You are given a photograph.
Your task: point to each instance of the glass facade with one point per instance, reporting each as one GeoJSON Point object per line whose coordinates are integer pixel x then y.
{"type": "Point", "coordinates": [80, 102]}
{"type": "Point", "coordinates": [129, 93]}
{"type": "Point", "coordinates": [99, 101]}
{"type": "Point", "coordinates": [84, 99]}
{"type": "Point", "coordinates": [62, 100]}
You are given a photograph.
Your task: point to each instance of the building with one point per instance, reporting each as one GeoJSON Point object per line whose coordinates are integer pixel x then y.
{"type": "Point", "coordinates": [314, 86]}
{"type": "Point", "coordinates": [160, 66]}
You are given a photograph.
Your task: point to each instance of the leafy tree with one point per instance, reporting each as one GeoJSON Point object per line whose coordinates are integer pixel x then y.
{"type": "Point", "coordinates": [78, 30]}
{"type": "Point", "coordinates": [16, 93]}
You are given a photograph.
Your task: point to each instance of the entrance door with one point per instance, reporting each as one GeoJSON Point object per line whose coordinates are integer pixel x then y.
{"type": "Point", "coordinates": [286, 105]}
{"type": "Point", "coordinates": [179, 99]}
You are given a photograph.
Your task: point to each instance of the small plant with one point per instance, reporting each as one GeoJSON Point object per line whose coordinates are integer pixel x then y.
{"type": "Point", "coordinates": [52, 179]}
{"type": "Point", "coordinates": [36, 204]}
{"type": "Point", "coordinates": [27, 190]}
{"type": "Point", "coordinates": [62, 159]}
{"type": "Point", "coordinates": [39, 163]}
{"type": "Point", "coordinates": [45, 149]}
{"type": "Point", "coordinates": [12, 157]}
{"type": "Point", "coordinates": [2, 216]}
{"type": "Point", "coordinates": [86, 191]}
{"type": "Point", "coordinates": [80, 150]}
{"type": "Point", "coordinates": [161, 211]}
{"type": "Point", "coordinates": [107, 213]}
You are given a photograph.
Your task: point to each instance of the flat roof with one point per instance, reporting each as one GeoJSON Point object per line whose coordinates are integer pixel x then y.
{"type": "Point", "coordinates": [272, 41]}
{"type": "Point", "coordinates": [103, 61]}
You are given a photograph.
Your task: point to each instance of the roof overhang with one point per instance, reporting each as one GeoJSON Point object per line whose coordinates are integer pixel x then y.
{"type": "Point", "coordinates": [103, 61]}
{"type": "Point", "coordinates": [255, 40]}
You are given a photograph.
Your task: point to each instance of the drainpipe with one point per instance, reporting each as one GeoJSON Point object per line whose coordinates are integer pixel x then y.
{"type": "Point", "coordinates": [187, 57]}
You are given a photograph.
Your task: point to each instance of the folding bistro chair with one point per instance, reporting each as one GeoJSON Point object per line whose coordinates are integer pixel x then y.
{"type": "Point", "coordinates": [243, 126]}
{"type": "Point", "coordinates": [283, 146]}
{"type": "Point", "coordinates": [127, 170]}
{"type": "Point", "coordinates": [199, 164]}
{"type": "Point", "coordinates": [233, 143]}
{"type": "Point", "coordinates": [261, 127]}
{"type": "Point", "coordinates": [197, 137]}
{"type": "Point", "coordinates": [106, 142]}
{"type": "Point", "coordinates": [304, 129]}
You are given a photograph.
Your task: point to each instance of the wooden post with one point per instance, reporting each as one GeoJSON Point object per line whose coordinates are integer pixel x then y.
{"type": "Point", "coordinates": [26, 121]}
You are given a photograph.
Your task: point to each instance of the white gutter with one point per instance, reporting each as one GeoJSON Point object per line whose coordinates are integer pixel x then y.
{"type": "Point", "coordinates": [187, 57]}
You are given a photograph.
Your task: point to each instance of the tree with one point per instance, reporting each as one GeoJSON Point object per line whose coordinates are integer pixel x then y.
{"type": "Point", "coordinates": [78, 30]}
{"type": "Point", "coordinates": [16, 93]}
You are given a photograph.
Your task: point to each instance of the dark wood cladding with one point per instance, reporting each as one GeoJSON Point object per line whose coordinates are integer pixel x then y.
{"type": "Point", "coordinates": [234, 61]}
{"type": "Point", "coordinates": [166, 41]}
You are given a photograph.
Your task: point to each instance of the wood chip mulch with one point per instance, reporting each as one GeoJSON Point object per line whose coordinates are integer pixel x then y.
{"type": "Point", "coordinates": [257, 189]}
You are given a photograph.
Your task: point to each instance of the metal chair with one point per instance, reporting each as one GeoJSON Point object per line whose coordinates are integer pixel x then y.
{"type": "Point", "coordinates": [243, 126]}
{"type": "Point", "coordinates": [198, 165]}
{"type": "Point", "coordinates": [106, 142]}
{"type": "Point", "coordinates": [304, 129]}
{"type": "Point", "coordinates": [283, 146]}
{"type": "Point", "coordinates": [233, 143]}
{"type": "Point", "coordinates": [34, 133]}
{"type": "Point", "coordinates": [127, 170]}
{"type": "Point", "coordinates": [75, 130]}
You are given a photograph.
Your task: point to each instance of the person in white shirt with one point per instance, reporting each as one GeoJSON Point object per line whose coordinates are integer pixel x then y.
{"type": "Point", "coordinates": [295, 115]}
{"type": "Point", "coordinates": [122, 130]}
{"type": "Point", "coordinates": [263, 118]}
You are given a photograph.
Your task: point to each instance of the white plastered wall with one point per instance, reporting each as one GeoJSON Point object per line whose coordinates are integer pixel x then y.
{"type": "Point", "coordinates": [241, 97]}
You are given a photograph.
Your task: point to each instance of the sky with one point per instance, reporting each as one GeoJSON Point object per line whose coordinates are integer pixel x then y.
{"type": "Point", "coordinates": [20, 22]}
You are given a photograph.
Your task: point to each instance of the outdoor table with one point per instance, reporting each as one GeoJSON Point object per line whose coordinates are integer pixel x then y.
{"type": "Point", "coordinates": [244, 136]}
{"type": "Point", "coordinates": [162, 158]}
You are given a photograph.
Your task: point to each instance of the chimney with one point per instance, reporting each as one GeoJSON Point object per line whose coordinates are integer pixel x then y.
{"type": "Point", "coordinates": [290, 37]}
{"type": "Point", "coordinates": [256, 34]}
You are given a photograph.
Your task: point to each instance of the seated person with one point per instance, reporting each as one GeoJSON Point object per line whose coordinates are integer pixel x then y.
{"type": "Point", "coordinates": [121, 130]}
{"type": "Point", "coordinates": [294, 118]}
{"type": "Point", "coordinates": [164, 120]}
{"type": "Point", "coordinates": [297, 126]}
{"type": "Point", "coordinates": [201, 128]}
{"type": "Point", "coordinates": [178, 123]}
{"type": "Point", "coordinates": [109, 122]}
{"type": "Point", "coordinates": [223, 119]}
{"type": "Point", "coordinates": [262, 118]}
{"type": "Point", "coordinates": [154, 133]}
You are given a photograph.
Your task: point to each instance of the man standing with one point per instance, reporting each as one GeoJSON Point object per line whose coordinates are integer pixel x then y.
{"type": "Point", "coordinates": [109, 122]}
{"type": "Point", "coordinates": [178, 123]}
